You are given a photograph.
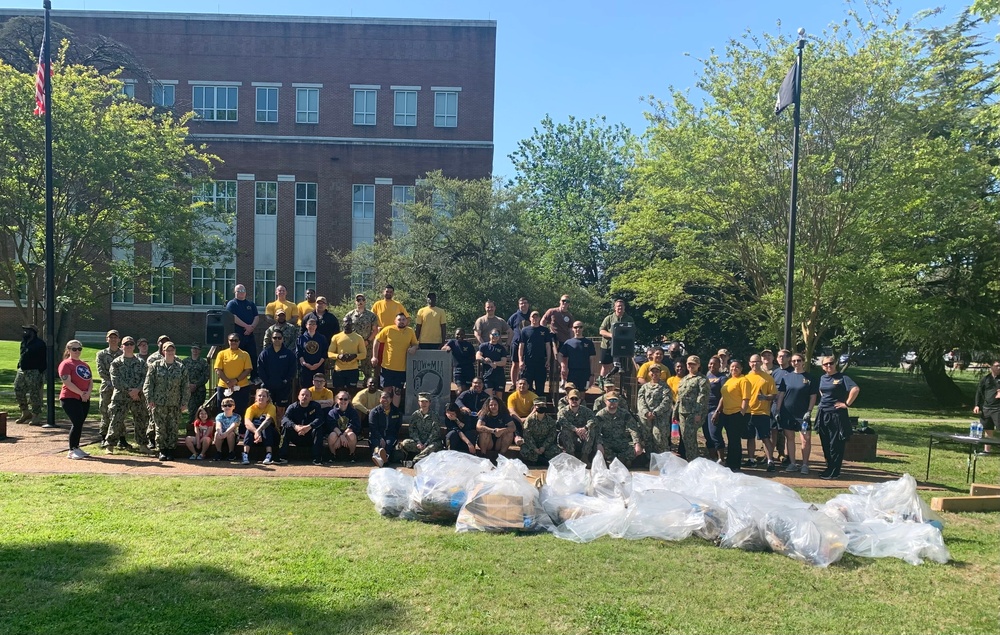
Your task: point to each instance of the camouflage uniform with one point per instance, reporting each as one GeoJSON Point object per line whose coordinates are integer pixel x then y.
{"type": "Point", "coordinates": [152, 357]}
{"type": "Point", "coordinates": [539, 434]}
{"type": "Point", "coordinates": [618, 434]}
{"type": "Point", "coordinates": [28, 390]}
{"type": "Point", "coordinates": [425, 429]}
{"type": "Point", "coordinates": [198, 374]}
{"type": "Point", "coordinates": [288, 330]}
{"type": "Point", "coordinates": [365, 323]}
{"type": "Point", "coordinates": [104, 359]}
{"type": "Point", "coordinates": [166, 386]}
{"type": "Point", "coordinates": [692, 401]}
{"type": "Point", "coordinates": [569, 422]}
{"type": "Point", "coordinates": [127, 373]}
{"type": "Point", "coordinates": [655, 398]}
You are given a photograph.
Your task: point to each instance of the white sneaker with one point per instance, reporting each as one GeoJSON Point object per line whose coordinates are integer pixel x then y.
{"type": "Point", "coordinates": [83, 455]}
{"type": "Point", "coordinates": [73, 454]}
{"type": "Point", "coordinates": [267, 460]}
{"type": "Point", "coordinates": [805, 468]}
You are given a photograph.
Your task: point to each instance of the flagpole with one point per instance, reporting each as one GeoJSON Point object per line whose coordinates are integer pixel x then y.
{"type": "Point", "coordinates": [790, 269]}
{"type": "Point", "coordinates": [50, 278]}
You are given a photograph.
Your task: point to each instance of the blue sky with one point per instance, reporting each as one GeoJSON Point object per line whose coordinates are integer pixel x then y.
{"type": "Point", "coordinates": [582, 58]}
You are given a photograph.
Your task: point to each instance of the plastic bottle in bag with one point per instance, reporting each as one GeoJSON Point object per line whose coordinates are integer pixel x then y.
{"type": "Point", "coordinates": [675, 433]}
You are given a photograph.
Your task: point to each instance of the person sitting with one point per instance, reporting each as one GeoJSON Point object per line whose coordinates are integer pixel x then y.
{"type": "Point", "coordinates": [520, 404]}
{"type": "Point", "coordinates": [303, 424]}
{"type": "Point", "coordinates": [261, 427]}
{"type": "Point", "coordinates": [345, 426]}
{"type": "Point", "coordinates": [227, 426]}
{"type": "Point", "coordinates": [319, 393]}
{"type": "Point", "coordinates": [425, 431]}
{"type": "Point", "coordinates": [578, 433]}
{"type": "Point", "coordinates": [459, 436]}
{"type": "Point", "coordinates": [539, 435]}
{"type": "Point", "coordinates": [204, 429]}
{"type": "Point", "coordinates": [472, 401]}
{"type": "Point", "coordinates": [495, 428]}
{"type": "Point", "coordinates": [368, 398]}
{"type": "Point", "coordinates": [619, 433]}
{"type": "Point", "coordinates": [384, 422]}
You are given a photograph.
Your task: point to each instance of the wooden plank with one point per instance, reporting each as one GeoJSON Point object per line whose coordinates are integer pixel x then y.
{"type": "Point", "coordinates": [965, 503]}
{"type": "Point", "coordinates": [982, 489]}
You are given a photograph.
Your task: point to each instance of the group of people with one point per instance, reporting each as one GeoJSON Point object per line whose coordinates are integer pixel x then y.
{"type": "Point", "coordinates": [305, 346]}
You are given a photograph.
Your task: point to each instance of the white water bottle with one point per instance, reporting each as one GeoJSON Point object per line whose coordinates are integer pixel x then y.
{"type": "Point", "coordinates": [973, 428]}
{"type": "Point", "coordinates": [979, 429]}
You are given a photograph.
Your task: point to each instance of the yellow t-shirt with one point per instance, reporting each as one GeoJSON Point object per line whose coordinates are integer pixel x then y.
{"type": "Point", "coordinates": [386, 312]}
{"type": "Point", "coordinates": [673, 382]}
{"type": "Point", "coordinates": [521, 406]}
{"type": "Point", "coordinates": [304, 308]}
{"type": "Point", "coordinates": [734, 391]}
{"type": "Point", "coordinates": [349, 343]}
{"type": "Point", "coordinates": [232, 364]}
{"type": "Point", "coordinates": [291, 311]}
{"type": "Point", "coordinates": [365, 401]}
{"type": "Point", "coordinates": [430, 320]}
{"type": "Point", "coordinates": [643, 373]}
{"type": "Point", "coordinates": [760, 384]}
{"type": "Point", "coordinates": [395, 341]}
{"type": "Point", "coordinates": [323, 394]}
{"type": "Point", "coordinates": [255, 411]}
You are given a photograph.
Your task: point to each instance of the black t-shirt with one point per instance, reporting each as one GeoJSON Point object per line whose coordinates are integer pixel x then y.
{"type": "Point", "coordinates": [715, 389]}
{"type": "Point", "coordinates": [536, 340]}
{"type": "Point", "coordinates": [495, 352]}
{"type": "Point", "coordinates": [798, 388]}
{"type": "Point", "coordinates": [578, 352]}
{"type": "Point", "coordinates": [834, 388]}
{"type": "Point", "coordinates": [463, 352]}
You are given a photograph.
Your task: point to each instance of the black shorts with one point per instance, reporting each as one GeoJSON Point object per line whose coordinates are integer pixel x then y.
{"type": "Point", "coordinates": [759, 426]}
{"type": "Point", "coordinates": [344, 378]}
{"type": "Point", "coordinates": [495, 381]}
{"type": "Point", "coordinates": [393, 378]}
{"type": "Point", "coordinates": [991, 419]}
{"type": "Point", "coordinates": [281, 396]}
{"type": "Point", "coordinates": [606, 356]}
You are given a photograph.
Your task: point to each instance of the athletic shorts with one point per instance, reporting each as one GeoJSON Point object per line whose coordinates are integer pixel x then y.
{"type": "Point", "coordinates": [991, 419]}
{"type": "Point", "coordinates": [393, 378]}
{"type": "Point", "coordinates": [606, 356]}
{"type": "Point", "coordinates": [758, 426]}
{"type": "Point", "coordinates": [343, 378]}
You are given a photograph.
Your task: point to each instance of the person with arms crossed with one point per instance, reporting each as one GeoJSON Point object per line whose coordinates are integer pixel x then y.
{"type": "Point", "coordinates": [463, 355]}
{"type": "Point", "coordinates": [559, 320]}
{"type": "Point", "coordinates": [245, 320]}
{"type": "Point", "coordinates": [537, 350]}
{"type": "Point", "coordinates": [281, 301]}
{"type": "Point", "coordinates": [492, 358]}
{"type": "Point", "coordinates": [387, 308]}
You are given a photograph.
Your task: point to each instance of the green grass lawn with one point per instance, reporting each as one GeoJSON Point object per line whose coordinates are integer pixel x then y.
{"type": "Point", "coordinates": [90, 554]}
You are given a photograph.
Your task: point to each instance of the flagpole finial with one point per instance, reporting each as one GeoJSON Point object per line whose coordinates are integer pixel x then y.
{"type": "Point", "coordinates": [802, 32]}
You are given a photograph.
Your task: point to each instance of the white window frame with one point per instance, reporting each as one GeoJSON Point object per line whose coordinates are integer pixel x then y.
{"type": "Point", "coordinates": [161, 280]}
{"type": "Point", "coordinates": [365, 116]}
{"type": "Point", "coordinates": [303, 280]}
{"type": "Point", "coordinates": [219, 194]}
{"type": "Point", "coordinates": [401, 195]}
{"type": "Point", "coordinates": [403, 115]}
{"type": "Point", "coordinates": [443, 117]}
{"type": "Point", "coordinates": [305, 111]}
{"type": "Point", "coordinates": [128, 88]}
{"type": "Point", "coordinates": [205, 93]}
{"type": "Point", "coordinates": [265, 199]}
{"type": "Point", "coordinates": [362, 281]}
{"type": "Point", "coordinates": [161, 99]}
{"type": "Point", "coordinates": [266, 114]}
{"type": "Point", "coordinates": [264, 283]}
{"type": "Point", "coordinates": [306, 199]}
{"type": "Point", "coordinates": [215, 283]}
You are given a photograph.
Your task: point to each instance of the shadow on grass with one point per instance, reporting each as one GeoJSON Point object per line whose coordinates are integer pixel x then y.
{"type": "Point", "coordinates": [77, 587]}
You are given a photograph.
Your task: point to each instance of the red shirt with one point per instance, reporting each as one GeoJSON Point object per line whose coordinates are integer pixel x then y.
{"type": "Point", "coordinates": [79, 376]}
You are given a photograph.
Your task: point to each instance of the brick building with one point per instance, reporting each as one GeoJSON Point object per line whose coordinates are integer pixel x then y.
{"type": "Point", "coordinates": [322, 123]}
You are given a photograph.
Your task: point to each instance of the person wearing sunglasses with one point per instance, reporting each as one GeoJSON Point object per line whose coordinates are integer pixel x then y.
{"type": "Point", "coordinates": [575, 357]}
{"type": "Point", "coordinates": [619, 431]}
{"type": "Point", "coordinates": [654, 404]}
{"type": "Point", "coordinates": [276, 368]}
{"type": "Point", "coordinates": [128, 372]}
{"type": "Point", "coordinates": [559, 320]}
{"type": "Point", "coordinates": [837, 392]}
{"type": "Point", "coordinates": [289, 331]}
{"type": "Point", "coordinates": [233, 367]}
{"type": "Point", "coordinates": [578, 433]}
{"type": "Point", "coordinates": [166, 391]}
{"type": "Point", "coordinates": [344, 426]}
{"type": "Point", "coordinates": [77, 382]}
{"type": "Point", "coordinates": [607, 326]}
{"type": "Point", "coordinates": [797, 393]}
{"type": "Point", "coordinates": [227, 425]}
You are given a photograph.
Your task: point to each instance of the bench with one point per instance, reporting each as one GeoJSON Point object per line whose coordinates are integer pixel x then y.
{"type": "Point", "coordinates": [91, 337]}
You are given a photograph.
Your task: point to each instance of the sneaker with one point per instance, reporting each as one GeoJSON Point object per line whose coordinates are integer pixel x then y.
{"type": "Point", "coordinates": [317, 462]}
{"type": "Point", "coordinates": [785, 460]}
{"type": "Point", "coordinates": [792, 468]}
{"type": "Point", "coordinates": [49, 426]}
{"type": "Point", "coordinates": [104, 443]}
{"type": "Point", "coordinates": [379, 457]}
{"type": "Point", "coordinates": [771, 467]}
{"type": "Point", "coordinates": [201, 457]}
{"type": "Point", "coordinates": [81, 454]}
{"type": "Point", "coordinates": [267, 459]}
{"type": "Point", "coordinates": [747, 463]}
{"type": "Point", "coordinates": [828, 476]}
{"type": "Point", "coordinates": [805, 468]}
{"type": "Point", "coordinates": [193, 457]}
{"type": "Point", "coordinates": [246, 459]}
{"type": "Point", "coordinates": [281, 461]}
{"type": "Point", "coordinates": [164, 457]}
{"type": "Point", "coordinates": [151, 445]}
{"type": "Point", "coordinates": [73, 455]}
{"type": "Point", "coordinates": [125, 445]}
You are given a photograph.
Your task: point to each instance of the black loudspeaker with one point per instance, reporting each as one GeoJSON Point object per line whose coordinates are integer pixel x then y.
{"type": "Point", "coordinates": [622, 339]}
{"type": "Point", "coordinates": [218, 324]}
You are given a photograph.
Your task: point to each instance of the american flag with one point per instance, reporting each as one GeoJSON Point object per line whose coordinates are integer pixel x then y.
{"type": "Point", "coordinates": [40, 80]}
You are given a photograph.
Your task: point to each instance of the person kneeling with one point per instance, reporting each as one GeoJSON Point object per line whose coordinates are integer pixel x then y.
{"type": "Point", "coordinates": [260, 424]}
{"type": "Point", "coordinates": [460, 434]}
{"type": "Point", "coordinates": [303, 424]}
{"type": "Point", "coordinates": [425, 431]}
{"type": "Point", "coordinates": [496, 429]}
{"type": "Point", "coordinates": [539, 435]}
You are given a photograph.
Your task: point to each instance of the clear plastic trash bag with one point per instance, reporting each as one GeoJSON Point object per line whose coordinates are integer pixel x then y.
{"type": "Point", "coordinates": [390, 491]}
{"type": "Point", "coordinates": [503, 501]}
{"type": "Point", "coordinates": [804, 535]}
{"type": "Point", "coordinates": [441, 485]}
{"type": "Point", "coordinates": [663, 515]}
{"type": "Point", "coordinates": [909, 541]}
{"type": "Point", "coordinates": [566, 475]}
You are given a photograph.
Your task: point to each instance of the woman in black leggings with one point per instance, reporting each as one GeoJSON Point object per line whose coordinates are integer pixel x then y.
{"type": "Point", "coordinates": [77, 382]}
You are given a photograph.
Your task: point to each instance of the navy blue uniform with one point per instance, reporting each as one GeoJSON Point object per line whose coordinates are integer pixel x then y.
{"type": "Point", "coordinates": [246, 311]}
{"type": "Point", "coordinates": [537, 342]}
{"type": "Point", "coordinates": [713, 432]}
{"type": "Point", "coordinates": [799, 389]}
{"type": "Point", "coordinates": [312, 349]}
{"type": "Point", "coordinates": [493, 377]}
{"type": "Point", "coordinates": [474, 401]}
{"type": "Point", "coordinates": [517, 322]}
{"type": "Point", "coordinates": [834, 423]}
{"type": "Point", "coordinates": [578, 352]}
{"type": "Point", "coordinates": [277, 370]}
{"type": "Point", "coordinates": [463, 355]}
{"type": "Point", "coordinates": [299, 415]}
{"type": "Point", "coordinates": [383, 426]}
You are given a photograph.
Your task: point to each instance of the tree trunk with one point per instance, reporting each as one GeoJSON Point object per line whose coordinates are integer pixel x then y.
{"type": "Point", "coordinates": [943, 389]}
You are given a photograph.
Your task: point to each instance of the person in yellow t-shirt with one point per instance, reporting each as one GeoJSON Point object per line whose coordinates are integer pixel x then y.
{"type": "Point", "coordinates": [281, 302]}
{"type": "Point", "coordinates": [346, 349]}
{"type": "Point", "coordinates": [762, 393]}
{"type": "Point", "coordinates": [387, 309]}
{"type": "Point", "coordinates": [431, 324]}
{"type": "Point", "coordinates": [519, 405]}
{"type": "Point", "coordinates": [731, 414]}
{"type": "Point", "coordinates": [319, 393]}
{"type": "Point", "coordinates": [233, 368]}
{"type": "Point", "coordinates": [392, 345]}
{"type": "Point", "coordinates": [308, 305]}
{"type": "Point", "coordinates": [261, 422]}
{"type": "Point", "coordinates": [366, 399]}
{"type": "Point", "coordinates": [657, 358]}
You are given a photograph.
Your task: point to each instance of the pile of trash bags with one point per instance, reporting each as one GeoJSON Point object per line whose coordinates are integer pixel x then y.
{"type": "Point", "coordinates": [675, 501]}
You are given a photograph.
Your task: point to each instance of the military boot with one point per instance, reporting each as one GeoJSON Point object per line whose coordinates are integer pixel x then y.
{"type": "Point", "coordinates": [25, 416]}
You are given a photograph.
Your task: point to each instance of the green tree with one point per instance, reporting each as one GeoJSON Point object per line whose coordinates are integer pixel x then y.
{"type": "Point", "coordinates": [573, 176]}
{"type": "Point", "coordinates": [123, 177]}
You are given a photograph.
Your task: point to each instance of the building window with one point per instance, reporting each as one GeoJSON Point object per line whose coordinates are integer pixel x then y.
{"type": "Point", "coordinates": [220, 194]}
{"type": "Point", "coordinates": [128, 89]}
{"type": "Point", "coordinates": [363, 202]}
{"type": "Point", "coordinates": [304, 280]}
{"type": "Point", "coordinates": [163, 95]}
{"type": "Point", "coordinates": [406, 108]}
{"type": "Point", "coordinates": [401, 195]}
{"type": "Point", "coordinates": [266, 198]}
{"type": "Point", "coordinates": [263, 286]}
{"type": "Point", "coordinates": [212, 286]}
{"type": "Point", "coordinates": [445, 109]}
{"type": "Point", "coordinates": [215, 103]}
{"type": "Point", "coordinates": [161, 288]}
{"type": "Point", "coordinates": [122, 287]}
{"type": "Point", "coordinates": [306, 105]}
{"type": "Point", "coordinates": [267, 105]}
{"type": "Point", "coordinates": [362, 281]}
{"type": "Point", "coordinates": [305, 199]}
{"type": "Point", "coordinates": [364, 107]}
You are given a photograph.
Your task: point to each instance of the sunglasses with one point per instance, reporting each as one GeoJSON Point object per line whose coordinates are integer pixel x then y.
{"type": "Point", "coordinates": [129, 344]}
{"type": "Point", "coordinates": [577, 327]}
{"type": "Point", "coordinates": [574, 399]}
{"type": "Point", "coordinates": [75, 348]}
{"type": "Point", "coordinates": [341, 398]}
{"type": "Point", "coordinates": [563, 301]}
{"type": "Point", "coordinates": [825, 364]}
{"type": "Point", "coordinates": [230, 406]}
{"type": "Point", "coordinates": [797, 361]}
{"type": "Point", "coordinates": [234, 341]}
{"type": "Point", "coordinates": [276, 338]}
{"type": "Point", "coordinates": [612, 400]}
{"type": "Point", "coordinates": [494, 334]}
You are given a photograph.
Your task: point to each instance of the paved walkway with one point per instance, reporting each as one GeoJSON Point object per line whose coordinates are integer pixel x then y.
{"type": "Point", "coordinates": [35, 450]}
